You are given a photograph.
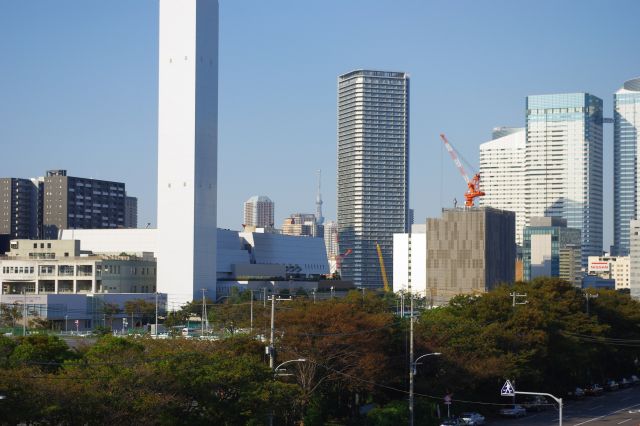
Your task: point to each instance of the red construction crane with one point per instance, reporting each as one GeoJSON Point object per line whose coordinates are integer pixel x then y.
{"type": "Point", "coordinates": [473, 185]}
{"type": "Point", "coordinates": [339, 258]}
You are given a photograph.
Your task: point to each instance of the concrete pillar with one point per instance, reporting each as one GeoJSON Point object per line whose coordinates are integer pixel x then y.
{"type": "Point", "coordinates": [75, 286]}
{"type": "Point", "coordinates": [37, 286]}
{"type": "Point", "coordinates": [55, 286]}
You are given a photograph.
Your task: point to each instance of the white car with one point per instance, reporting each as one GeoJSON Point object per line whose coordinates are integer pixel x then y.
{"type": "Point", "coordinates": [515, 411]}
{"type": "Point", "coordinates": [472, 418]}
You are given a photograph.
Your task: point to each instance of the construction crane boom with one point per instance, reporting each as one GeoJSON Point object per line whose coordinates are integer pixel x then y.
{"type": "Point", "coordinates": [454, 156]}
{"type": "Point", "coordinates": [473, 185]}
{"type": "Point", "coordinates": [383, 270]}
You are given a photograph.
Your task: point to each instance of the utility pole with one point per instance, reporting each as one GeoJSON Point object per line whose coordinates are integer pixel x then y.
{"type": "Point", "coordinates": [411, 366]}
{"type": "Point", "coordinates": [272, 355]}
{"type": "Point", "coordinates": [204, 311]}
{"type": "Point", "coordinates": [24, 312]}
{"type": "Point", "coordinates": [515, 295]}
{"type": "Point", "coordinates": [264, 297]}
{"type": "Point", "coordinates": [156, 330]}
{"type": "Point", "coordinates": [588, 296]}
{"type": "Point", "coordinates": [251, 324]}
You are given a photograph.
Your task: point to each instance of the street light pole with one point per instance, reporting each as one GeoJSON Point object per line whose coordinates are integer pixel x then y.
{"type": "Point", "coordinates": [411, 366]}
{"type": "Point", "coordinates": [412, 372]}
{"type": "Point", "coordinates": [272, 355]}
{"type": "Point", "coordinates": [66, 319]}
{"type": "Point", "coordinates": [251, 326]}
{"type": "Point", "coordinates": [275, 374]}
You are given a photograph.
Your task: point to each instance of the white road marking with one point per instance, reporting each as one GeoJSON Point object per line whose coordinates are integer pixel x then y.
{"type": "Point", "coordinates": [601, 417]}
{"type": "Point", "coordinates": [595, 408]}
{"type": "Point", "coordinates": [624, 421]}
{"type": "Point", "coordinates": [626, 398]}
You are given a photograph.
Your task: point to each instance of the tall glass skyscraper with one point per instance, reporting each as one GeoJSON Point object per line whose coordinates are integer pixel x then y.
{"type": "Point", "coordinates": [626, 132]}
{"type": "Point", "coordinates": [373, 170]}
{"type": "Point", "coordinates": [563, 164]}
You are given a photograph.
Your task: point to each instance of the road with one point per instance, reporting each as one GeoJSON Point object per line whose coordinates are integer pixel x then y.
{"type": "Point", "coordinates": [620, 407]}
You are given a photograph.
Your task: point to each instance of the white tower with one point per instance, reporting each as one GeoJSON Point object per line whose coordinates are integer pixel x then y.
{"type": "Point", "coordinates": [187, 149]}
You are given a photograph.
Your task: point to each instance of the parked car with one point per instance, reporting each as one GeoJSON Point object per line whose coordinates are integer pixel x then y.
{"type": "Point", "coordinates": [577, 393]}
{"type": "Point", "coordinates": [536, 403]}
{"type": "Point", "coordinates": [624, 382]}
{"type": "Point", "coordinates": [515, 411]}
{"type": "Point", "coordinates": [635, 380]}
{"type": "Point", "coordinates": [594, 390]}
{"type": "Point", "coordinates": [452, 422]}
{"type": "Point", "coordinates": [472, 418]}
{"type": "Point", "coordinates": [611, 385]}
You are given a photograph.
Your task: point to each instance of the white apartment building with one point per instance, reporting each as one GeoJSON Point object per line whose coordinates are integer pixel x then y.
{"type": "Point", "coordinates": [502, 172]}
{"type": "Point", "coordinates": [410, 260]}
{"type": "Point", "coordinates": [611, 267]}
{"type": "Point", "coordinates": [258, 212]}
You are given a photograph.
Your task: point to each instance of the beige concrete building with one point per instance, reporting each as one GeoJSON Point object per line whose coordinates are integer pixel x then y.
{"type": "Point", "coordinates": [469, 251]}
{"type": "Point", "coordinates": [612, 267]}
{"type": "Point", "coordinates": [58, 266]}
{"type": "Point", "coordinates": [570, 264]}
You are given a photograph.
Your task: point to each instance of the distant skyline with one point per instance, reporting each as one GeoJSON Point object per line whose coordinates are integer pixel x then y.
{"type": "Point", "coordinates": [79, 87]}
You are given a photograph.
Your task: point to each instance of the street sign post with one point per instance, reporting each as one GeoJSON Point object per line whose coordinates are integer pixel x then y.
{"type": "Point", "coordinates": [447, 401]}
{"type": "Point", "coordinates": [507, 389]}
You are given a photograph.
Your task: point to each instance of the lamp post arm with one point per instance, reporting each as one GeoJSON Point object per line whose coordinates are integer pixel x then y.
{"type": "Point", "coordinates": [422, 356]}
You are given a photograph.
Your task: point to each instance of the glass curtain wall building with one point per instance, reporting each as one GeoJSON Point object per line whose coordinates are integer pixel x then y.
{"type": "Point", "coordinates": [563, 164]}
{"type": "Point", "coordinates": [373, 170]}
{"type": "Point", "coordinates": [626, 129]}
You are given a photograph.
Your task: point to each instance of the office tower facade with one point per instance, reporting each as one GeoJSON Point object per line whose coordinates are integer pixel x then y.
{"type": "Point", "coordinates": [502, 171]}
{"type": "Point", "coordinates": [543, 243]}
{"type": "Point", "coordinates": [130, 212]}
{"type": "Point", "coordinates": [18, 208]}
{"type": "Point", "coordinates": [469, 251]}
{"type": "Point", "coordinates": [187, 149]}
{"type": "Point", "coordinates": [626, 134]}
{"type": "Point", "coordinates": [258, 212]}
{"type": "Point", "coordinates": [80, 203]}
{"type": "Point", "coordinates": [563, 164]}
{"type": "Point", "coordinates": [373, 169]}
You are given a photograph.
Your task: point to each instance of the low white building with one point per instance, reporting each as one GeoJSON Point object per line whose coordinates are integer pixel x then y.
{"type": "Point", "coordinates": [612, 267]}
{"type": "Point", "coordinates": [410, 260]}
{"type": "Point", "coordinates": [247, 255]}
{"type": "Point", "coordinates": [56, 266]}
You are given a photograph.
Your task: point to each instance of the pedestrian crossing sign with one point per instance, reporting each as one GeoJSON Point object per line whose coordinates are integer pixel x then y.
{"type": "Point", "coordinates": [507, 389]}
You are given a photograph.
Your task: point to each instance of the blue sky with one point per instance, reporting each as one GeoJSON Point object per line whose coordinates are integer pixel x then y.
{"type": "Point", "coordinates": [78, 86]}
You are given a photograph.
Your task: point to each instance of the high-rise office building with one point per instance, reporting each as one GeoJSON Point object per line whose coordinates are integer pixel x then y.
{"type": "Point", "coordinates": [18, 208]}
{"type": "Point", "coordinates": [502, 171]}
{"type": "Point", "coordinates": [187, 149]}
{"type": "Point", "coordinates": [563, 164]}
{"type": "Point", "coordinates": [626, 135]}
{"type": "Point", "coordinates": [130, 212]}
{"type": "Point", "coordinates": [258, 212]}
{"type": "Point", "coordinates": [80, 203]}
{"type": "Point", "coordinates": [545, 242]}
{"type": "Point", "coordinates": [373, 169]}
